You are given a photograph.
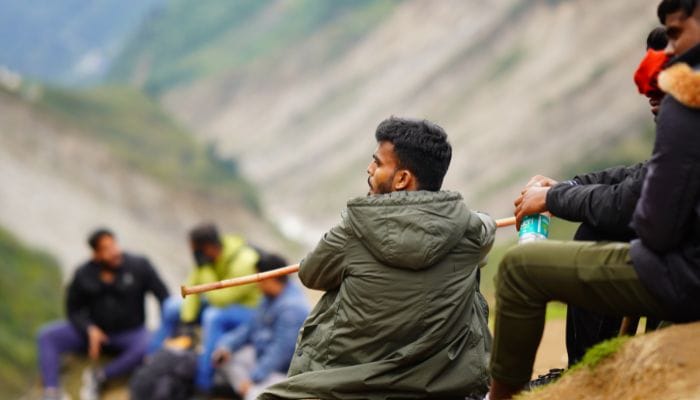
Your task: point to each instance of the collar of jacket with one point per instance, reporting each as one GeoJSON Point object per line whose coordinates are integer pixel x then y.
{"type": "Point", "coordinates": [681, 80]}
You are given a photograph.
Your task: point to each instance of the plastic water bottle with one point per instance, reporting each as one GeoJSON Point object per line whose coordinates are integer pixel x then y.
{"type": "Point", "coordinates": [534, 227]}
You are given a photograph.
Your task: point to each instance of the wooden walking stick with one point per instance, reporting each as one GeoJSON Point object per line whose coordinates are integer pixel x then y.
{"type": "Point", "coordinates": [244, 280]}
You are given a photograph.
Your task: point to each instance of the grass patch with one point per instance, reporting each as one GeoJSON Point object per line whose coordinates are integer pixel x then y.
{"type": "Point", "coordinates": [30, 295]}
{"type": "Point", "coordinates": [599, 352]}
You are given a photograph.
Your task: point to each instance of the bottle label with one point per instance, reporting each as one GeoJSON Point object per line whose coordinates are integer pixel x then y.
{"type": "Point", "coordinates": [534, 227]}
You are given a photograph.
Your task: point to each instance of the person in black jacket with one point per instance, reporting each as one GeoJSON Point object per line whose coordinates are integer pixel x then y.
{"type": "Point", "coordinates": [657, 274]}
{"type": "Point", "coordinates": [603, 202]}
{"type": "Point", "coordinates": [105, 307]}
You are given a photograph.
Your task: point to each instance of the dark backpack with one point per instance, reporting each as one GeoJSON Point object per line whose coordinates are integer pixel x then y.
{"type": "Point", "coordinates": [168, 375]}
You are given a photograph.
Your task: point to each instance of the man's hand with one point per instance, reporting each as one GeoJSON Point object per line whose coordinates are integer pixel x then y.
{"type": "Point", "coordinates": [220, 357]}
{"type": "Point", "coordinates": [532, 200]}
{"type": "Point", "coordinates": [96, 338]}
{"type": "Point", "coordinates": [244, 387]}
{"type": "Point", "coordinates": [541, 180]}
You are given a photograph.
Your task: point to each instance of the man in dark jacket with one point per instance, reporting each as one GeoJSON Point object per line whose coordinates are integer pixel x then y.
{"type": "Point", "coordinates": [603, 202]}
{"type": "Point", "coordinates": [402, 317]}
{"type": "Point", "coordinates": [105, 307]}
{"type": "Point", "coordinates": [657, 274]}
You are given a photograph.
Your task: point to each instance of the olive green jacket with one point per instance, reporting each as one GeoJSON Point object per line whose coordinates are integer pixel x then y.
{"type": "Point", "coordinates": [401, 317]}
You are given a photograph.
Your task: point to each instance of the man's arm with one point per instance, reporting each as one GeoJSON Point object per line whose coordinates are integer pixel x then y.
{"type": "Point", "coordinates": [605, 207]}
{"type": "Point", "coordinates": [237, 338]}
{"type": "Point", "coordinates": [324, 267]}
{"type": "Point", "coordinates": [488, 235]}
{"type": "Point", "coordinates": [279, 353]}
{"type": "Point", "coordinates": [242, 264]}
{"type": "Point", "coordinates": [672, 185]}
{"type": "Point", "coordinates": [191, 304]}
{"type": "Point", "coordinates": [609, 176]}
{"type": "Point", "coordinates": [154, 284]}
{"type": "Point", "coordinates": [76, 306]}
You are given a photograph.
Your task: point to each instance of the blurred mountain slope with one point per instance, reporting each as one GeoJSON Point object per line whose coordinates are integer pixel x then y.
{"type": "Point", "coordinates": [67, 41]}
{"type": "Point", "coordinates": [522, 87]}
{"type": "Point", "coordinates": [189, 40]}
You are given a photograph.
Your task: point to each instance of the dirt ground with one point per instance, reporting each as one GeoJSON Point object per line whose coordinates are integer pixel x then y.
{"type": "Point", "coordinates": [660, 365]}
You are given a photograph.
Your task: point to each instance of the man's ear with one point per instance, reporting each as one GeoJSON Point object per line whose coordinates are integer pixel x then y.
{"type": "Point", "coordinates": [403, 180]}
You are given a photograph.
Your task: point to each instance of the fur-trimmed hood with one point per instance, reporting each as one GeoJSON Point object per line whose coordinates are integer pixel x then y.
{"type": "Point", "coordinates": [682, 78]}
{"type": "Point", "coordinates": [683, 83]}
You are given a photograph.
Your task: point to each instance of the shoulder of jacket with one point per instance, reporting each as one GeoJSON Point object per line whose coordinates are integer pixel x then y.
{"type": "Point", "coordinates": [683, 83]}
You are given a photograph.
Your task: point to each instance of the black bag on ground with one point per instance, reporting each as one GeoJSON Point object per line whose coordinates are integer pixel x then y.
{"type": "Point", "coordinates": [167, 375]}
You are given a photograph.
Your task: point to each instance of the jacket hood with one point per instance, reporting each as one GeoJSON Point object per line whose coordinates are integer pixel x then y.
{"type": "Point", "coordinates": [411, 230]}
{"type": "Point", "coordinates": [682, 78]}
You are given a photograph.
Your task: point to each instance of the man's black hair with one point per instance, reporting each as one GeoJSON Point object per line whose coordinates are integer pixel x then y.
{"type": "Point", "coordinates": [270, 261]}
{"type": "Point", "coordinates": [97, 235]}
{"type": "Point", "coordinates": [657, 39]}
{"type": "Point", "coordinates": [671, 6]}
{"type": "Point", "coordinates": [206, 233]}
{"type": "Point", "coordinates": [421, 147]}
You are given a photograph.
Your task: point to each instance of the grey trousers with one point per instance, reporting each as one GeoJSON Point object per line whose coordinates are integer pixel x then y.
{"type": "Point", "coordinates": [239, 368]}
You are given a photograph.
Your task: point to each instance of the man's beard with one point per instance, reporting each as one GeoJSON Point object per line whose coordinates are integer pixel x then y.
{"type": "Point", "coordinates": [382, 188]}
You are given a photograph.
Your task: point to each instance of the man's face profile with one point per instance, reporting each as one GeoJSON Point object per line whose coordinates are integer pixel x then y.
{"type": "Point", "coordinates": [683, 32]}
{"type": "Point", "coordinates": [382, 170]}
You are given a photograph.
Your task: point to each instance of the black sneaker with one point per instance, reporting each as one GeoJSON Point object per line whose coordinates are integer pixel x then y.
{"type": "Point", "coordinates": [542, 380]}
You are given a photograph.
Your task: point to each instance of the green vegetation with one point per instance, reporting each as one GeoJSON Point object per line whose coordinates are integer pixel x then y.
{"type": "Point", "coordinates": [599, 353]}
{"type": "Point", "coordinates": [30, 295]}
{"type": "Point", "coordinates": [188, 40]}
{"type": "Point", "coordinates": [136, 130]}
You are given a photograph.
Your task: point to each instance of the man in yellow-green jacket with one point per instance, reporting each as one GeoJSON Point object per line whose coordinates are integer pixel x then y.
{"type": "Point", "coordinates": [217, 257]}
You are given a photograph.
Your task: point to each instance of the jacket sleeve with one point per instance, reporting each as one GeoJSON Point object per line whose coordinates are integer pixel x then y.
{"type": "Point", "coordinates": [609, 176]}
{"type": "Point", "coordinates": [75, 306]}
{"type": "Point", "coordinates": [280, 351]}
{"type": "Point", "coordinates": [237, 338]}
{"type": "Point", "coordinates": [488, 235]}
{"type": "Point", "coordinates": [608, 207]}
{"type": "Point", "coordinates": [323, 268]}
{"type": "Point", "coordinates": [154, 284]}
{"type": "Point", "coordinates": [192, 303]}
{"type": "Point", "coordinates": [242, 264]}
{"type": "Point", "coordinates": [672, 185]}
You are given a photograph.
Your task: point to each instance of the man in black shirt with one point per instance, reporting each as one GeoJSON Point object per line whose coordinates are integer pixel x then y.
{"type": "Point", "coordinates": [105, 307]}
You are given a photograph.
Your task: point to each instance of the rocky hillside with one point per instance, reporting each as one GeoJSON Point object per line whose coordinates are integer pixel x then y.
{"type": "Point", "coordinates": [521, 86]}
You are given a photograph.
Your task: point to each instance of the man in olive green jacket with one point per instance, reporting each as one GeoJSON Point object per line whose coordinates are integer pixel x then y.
{"type": "Point", "coordinates": [402, 316]}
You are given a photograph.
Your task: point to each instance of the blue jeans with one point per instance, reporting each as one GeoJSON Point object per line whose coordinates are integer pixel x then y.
{"type": "Point", "coordinates": [62, 337]}
{"type": "Point", "coordinates": [215, 321]}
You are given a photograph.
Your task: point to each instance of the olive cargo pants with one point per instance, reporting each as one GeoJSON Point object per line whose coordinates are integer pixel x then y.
{"type": "Point", "coordinates": [596, 276]}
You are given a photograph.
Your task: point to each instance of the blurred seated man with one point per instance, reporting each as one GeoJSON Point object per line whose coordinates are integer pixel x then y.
{"type": "Point", "coordinates": [257, 354]}
{"type": "Point", "coordinates": [218, 311]}
{"type": "Point", "coordinates": [402, 316]}
{"type": "Point", "coordinates": [105, 305]}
